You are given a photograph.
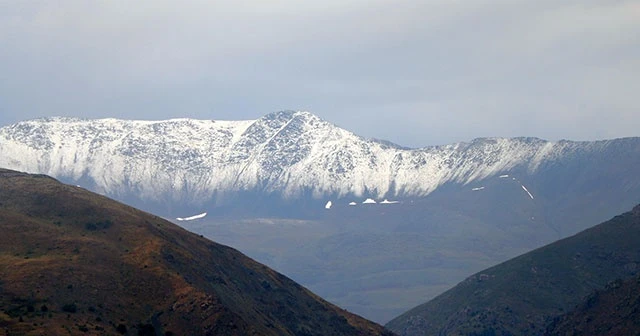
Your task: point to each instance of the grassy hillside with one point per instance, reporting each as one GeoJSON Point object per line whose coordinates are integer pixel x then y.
{"type": "Point", "coordinates": [522, 295]}
{"type": "Point", "coordinates": [73, 262]}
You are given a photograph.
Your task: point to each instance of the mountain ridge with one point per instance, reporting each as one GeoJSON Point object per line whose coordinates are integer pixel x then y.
{"type": "Point", "coordinates": [286, 155]}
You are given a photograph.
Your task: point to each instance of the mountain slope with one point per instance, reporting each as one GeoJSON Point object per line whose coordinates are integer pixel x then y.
{"type": "Point", "coordinates": [612, 311]}
{"type": "Point", "coordinates": [522, 295]}
{"type": "Point", "coordinates": [75, 262]}
{"type": "Point", "coordinates": [185, 163]}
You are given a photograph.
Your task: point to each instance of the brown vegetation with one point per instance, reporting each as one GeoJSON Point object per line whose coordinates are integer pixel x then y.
{"type": "Point", "coordinates": [73, 262]}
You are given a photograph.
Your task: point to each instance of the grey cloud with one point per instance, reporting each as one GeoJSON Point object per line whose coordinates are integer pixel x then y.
{"type": "Point", "coordinates": [413, 72]}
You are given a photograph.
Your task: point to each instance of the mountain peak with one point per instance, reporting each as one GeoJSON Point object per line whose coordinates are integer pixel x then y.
{"type": "Point", "coordinates": [288, 115]}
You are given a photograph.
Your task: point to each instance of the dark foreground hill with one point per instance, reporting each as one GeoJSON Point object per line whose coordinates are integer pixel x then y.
{"type": "Point", "coordinates": [612, 311]}
{"type": "Point", "coordinates": [523, 295]}
{"type": "Point", "coordinates": [73, 262]}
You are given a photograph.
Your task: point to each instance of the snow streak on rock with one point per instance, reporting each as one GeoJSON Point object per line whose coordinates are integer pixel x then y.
{"type": "Point", "coordinates": [202, 215]}
{"type": "Point", "coordinates": [527, 191]}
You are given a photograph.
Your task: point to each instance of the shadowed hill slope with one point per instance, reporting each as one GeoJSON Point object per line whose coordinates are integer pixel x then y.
{"type": "Point", "coordinates": [613, 311]}
{"type": "Point", "coordinates": [524, 294]}
{"type": "Point", "coordinates": [75, 262]}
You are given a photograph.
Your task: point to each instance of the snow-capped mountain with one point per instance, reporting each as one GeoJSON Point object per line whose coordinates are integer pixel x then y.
{"type": "Point", "coordinates": [285, 155]}
{"type": "Point", "coordinates": [356, 220]}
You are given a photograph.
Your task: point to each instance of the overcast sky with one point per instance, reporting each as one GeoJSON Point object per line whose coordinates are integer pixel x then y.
{"type": "Point", "coordinates": [416, 72]}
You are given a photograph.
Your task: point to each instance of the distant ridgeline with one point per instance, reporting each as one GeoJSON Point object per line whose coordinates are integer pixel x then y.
{"type": "Point", "coordinates": [293, 163]}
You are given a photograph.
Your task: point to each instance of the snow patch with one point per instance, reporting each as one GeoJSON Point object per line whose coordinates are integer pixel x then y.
{"type": "Point", "coordinates": [202, 215]}
{"type": "Point", "coordinates": [525, 189]}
